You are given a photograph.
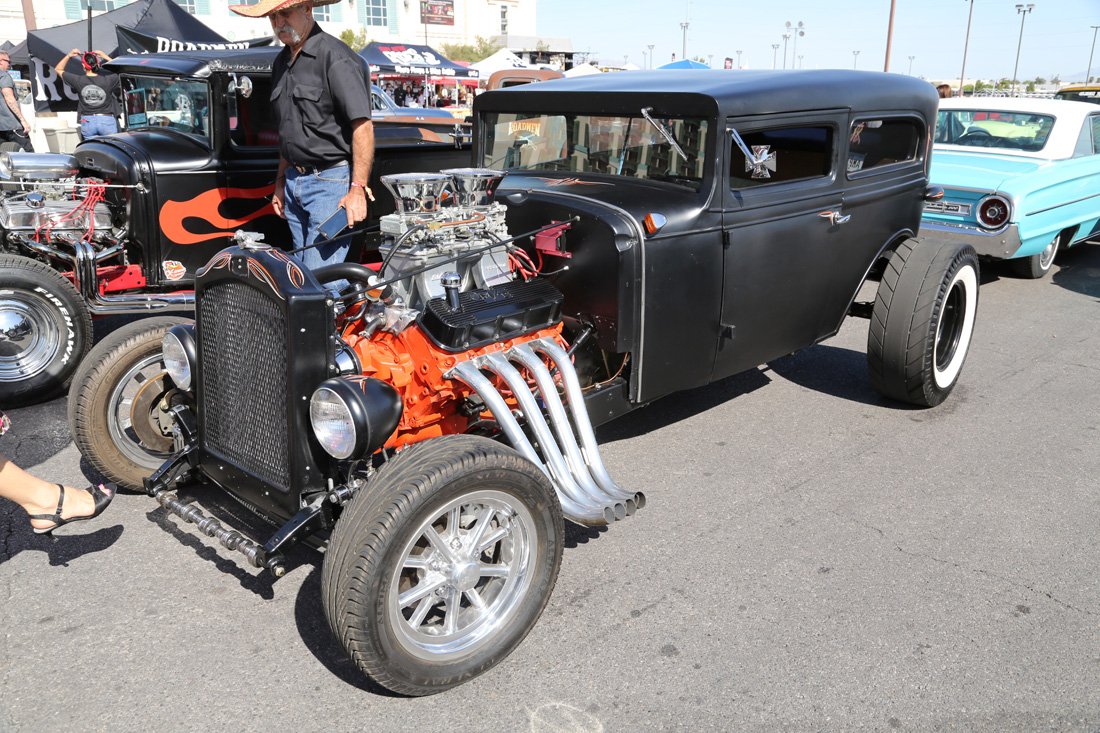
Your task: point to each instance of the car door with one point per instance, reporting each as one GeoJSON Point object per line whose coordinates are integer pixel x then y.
{"type": "Point", "coordinates": [782, 223]}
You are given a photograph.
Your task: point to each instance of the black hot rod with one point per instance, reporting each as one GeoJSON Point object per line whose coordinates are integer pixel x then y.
{"type": "Point", "coordinates": [432, 425]}
{"type": "Point", "coordinates": [122, 224]}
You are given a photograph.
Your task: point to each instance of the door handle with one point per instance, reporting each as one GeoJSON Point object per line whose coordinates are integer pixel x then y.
{"type": "Point", "coordinates": [835, 217]}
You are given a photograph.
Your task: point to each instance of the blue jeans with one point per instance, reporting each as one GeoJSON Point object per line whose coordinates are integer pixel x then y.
{"type": "Point", "coordinates": [310, 199]}
{"type": "Point", "coordinates": [96, 125]}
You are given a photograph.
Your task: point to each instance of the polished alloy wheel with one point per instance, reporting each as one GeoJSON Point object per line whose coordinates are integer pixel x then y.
{"type": "Point", "coordinates": [29, 337]}
{"type": "Point", "coordinates": [462, 573]}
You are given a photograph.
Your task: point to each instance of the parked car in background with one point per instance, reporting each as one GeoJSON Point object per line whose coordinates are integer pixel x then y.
{"type": "Point", "coordinates": [1079, 93]}
{"type": "Point", "coordinates": [122, 224]}
{"type": "Point", "coordinates": [384, 108]}
{"type": "Point", "coordinates": [1021, 178]}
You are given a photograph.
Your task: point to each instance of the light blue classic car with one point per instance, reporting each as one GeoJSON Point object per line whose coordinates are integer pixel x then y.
{"type": "Point", "coordinates": [1021, 178]}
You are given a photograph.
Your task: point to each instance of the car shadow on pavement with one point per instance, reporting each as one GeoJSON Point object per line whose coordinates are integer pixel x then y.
{"type": "Point", "coordinates": [1079, 270]}
{"type": "Point", "coordinates": [309, 615]}
{"type": "Point", "coordinates": [835, 371]}
{"type": "Point", "coordinates": [680, 406]}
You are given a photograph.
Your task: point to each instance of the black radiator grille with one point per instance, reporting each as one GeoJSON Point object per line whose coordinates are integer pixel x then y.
{"type": "Point", "coordinates": [243, 352]}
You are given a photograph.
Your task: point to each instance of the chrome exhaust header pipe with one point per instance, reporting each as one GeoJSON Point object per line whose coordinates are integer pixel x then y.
{"type": "Point", "coordinates": [469, 373]}
{"type": "Point", "coordinates": [575, 396]}
{"type": "Point", "coordinates": [527, 358]}
{"type": "Point", "coordinates": [559, 468]}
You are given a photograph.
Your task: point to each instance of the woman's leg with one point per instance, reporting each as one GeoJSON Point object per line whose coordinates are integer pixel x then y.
{"type": "Point", "coordinates": [40, 497]}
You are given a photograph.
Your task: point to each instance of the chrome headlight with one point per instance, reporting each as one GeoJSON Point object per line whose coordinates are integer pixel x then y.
{"type": "Point", "coordinates": [179, 352]}
{"type": "Point", "coordinates": [333, 422]}
{"type": "Point", "coordinates": [354, 416]}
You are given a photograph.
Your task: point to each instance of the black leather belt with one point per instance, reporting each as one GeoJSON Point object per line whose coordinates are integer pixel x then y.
{"type": "Point", "coordinates": [308, 170]}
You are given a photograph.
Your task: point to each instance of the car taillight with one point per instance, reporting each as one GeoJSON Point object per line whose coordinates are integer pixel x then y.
{"type": "Point", "coordinates": [993, 212]}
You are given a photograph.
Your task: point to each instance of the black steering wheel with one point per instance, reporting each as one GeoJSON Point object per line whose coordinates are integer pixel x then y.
{"type": "Point", "coordinates": [976, 135]}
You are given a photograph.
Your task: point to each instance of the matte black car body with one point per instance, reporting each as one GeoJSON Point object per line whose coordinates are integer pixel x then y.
{"type": "Point", "coordinates": [735, 278]}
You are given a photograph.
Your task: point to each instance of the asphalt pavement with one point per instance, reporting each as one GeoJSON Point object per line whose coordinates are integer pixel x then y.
{"type": "Point", "coordinates": [812, 557]}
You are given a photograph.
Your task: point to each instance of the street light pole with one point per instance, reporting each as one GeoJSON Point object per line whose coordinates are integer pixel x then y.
{"type": "Point", "coordinates": [650, 47]}
{"type": "Point", "coordinates": [911, 65]}
{"type": "Point", "coordinates": [796, 31]}
{"type": "Point", "coordinates": [739, 54]}
{"type": "Point", "coordinates": [775, 53]}
{"type": "Point", "coordinates": [1088, 74]}
{"type": "Point", "coordinates": [684, 28]}
{"type": "Point", "coordinates": [855, 59]}
{"type": "Point", "coordinates": [966, 45]}
{"type": "Point", "coordinates": [1023, 10]}
{"type": "Point", "coordinates": [786, 37]}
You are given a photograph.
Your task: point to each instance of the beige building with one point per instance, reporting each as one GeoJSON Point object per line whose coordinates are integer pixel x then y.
{"type": "Point", "coordinates": [448, 21]}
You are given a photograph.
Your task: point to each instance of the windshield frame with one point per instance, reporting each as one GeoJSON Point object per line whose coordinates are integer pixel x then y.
{"type": "Point", "coordinates": [629, 122]}
{"type": "Point", "coordinates": [140, 110]}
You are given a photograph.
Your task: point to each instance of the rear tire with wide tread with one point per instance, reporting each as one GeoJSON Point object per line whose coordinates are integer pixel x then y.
{"type": "Point", "coordinates": [922, 321]}
{"type": "Point", "coordinates": [90, 408]}
{"type": "Point", "coordinates": [368, 557]}
{"type": "Point", "coordinates": [56, 327]}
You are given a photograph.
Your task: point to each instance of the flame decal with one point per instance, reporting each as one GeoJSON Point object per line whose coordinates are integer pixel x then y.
{"type": "Point", "coordinates": [207, 207]}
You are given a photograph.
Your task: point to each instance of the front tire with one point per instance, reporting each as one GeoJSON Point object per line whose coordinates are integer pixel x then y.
{"type": "Point", "coordinates": [922, 321]}
{"type": "Point", "coordinates": [443, 563]}
{"type": "Point", "coordinates": [117, 405]}
{"type": "Point", "coordinates": [45, 330]}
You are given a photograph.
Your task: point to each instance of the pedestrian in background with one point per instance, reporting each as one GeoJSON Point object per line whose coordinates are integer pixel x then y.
{"type": "Point", "coordinates": [98, 106]}
{"type": "Point", "coordinates": [13, 126]}
{"type": "Point", "coordinates": [321, 96]}
{"type": "Point", "coordinates": [944, 91]}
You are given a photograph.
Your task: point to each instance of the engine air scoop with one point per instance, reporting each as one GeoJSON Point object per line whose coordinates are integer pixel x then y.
{"type": "Point", "coordinates": [475, 187]}
{"type": "Point", "coordinates": [417, 193]}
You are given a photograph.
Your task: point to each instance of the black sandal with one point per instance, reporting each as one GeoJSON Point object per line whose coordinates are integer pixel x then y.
{"type": "Point", "coordinates": [103, 494]}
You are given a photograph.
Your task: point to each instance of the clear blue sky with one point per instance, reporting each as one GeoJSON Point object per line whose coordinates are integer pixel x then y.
{"type": "Point", "coordinates": [1056, 39]}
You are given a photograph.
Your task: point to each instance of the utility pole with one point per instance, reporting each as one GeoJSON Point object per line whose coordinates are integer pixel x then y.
{"type": "Point", "coordinates": [1022, 10]}
{"type": "Point", "coordinates": [739, 54]}
{"type": "Point", "coordinates": [889, 36]}
{"type": "Point", "coordinates": [650, 47]}
{"type": "Point", "coordinates": [684, 49]}
{"type": "Point", "coordinates": [1088, 74]}
{"type": "Point", "coordinates": [786, 37]}
{"type": "Point", "coordinates": [855, 59]}
{"type": "Point", "coordinates": [775, 53]}
{"type": "Point", "coordinates": [966, 45]}
{"type": "Point", "coordinates": [911, 65]}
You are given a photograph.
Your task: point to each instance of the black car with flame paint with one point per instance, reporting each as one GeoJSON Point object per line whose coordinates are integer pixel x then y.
{"type": "Point", "coordinates": [122, 224]}
{"type": "Point", "coordinates": [623, 237]}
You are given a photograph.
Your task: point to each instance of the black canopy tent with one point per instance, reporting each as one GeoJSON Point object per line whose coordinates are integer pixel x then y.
{"type": "Point", "coordinates": [45, 47]}
{"type": "Point", "coordinates": [403, 60]}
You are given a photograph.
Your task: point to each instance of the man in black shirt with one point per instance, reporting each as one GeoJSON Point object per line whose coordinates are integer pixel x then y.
{"type": "Point", "coordinates": [98, 107]}
{"type": "Point", "coordinates": [320, 92]}
{"type": "Point", "coordinates": [13, 126]}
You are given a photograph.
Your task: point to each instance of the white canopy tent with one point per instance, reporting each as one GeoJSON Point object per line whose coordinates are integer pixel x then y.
{"type": "Point", "coordinates": [502, 59]}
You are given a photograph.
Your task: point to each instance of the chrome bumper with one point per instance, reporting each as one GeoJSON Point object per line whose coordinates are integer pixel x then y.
{"type": "Point", "coordinates": [1003, 244]}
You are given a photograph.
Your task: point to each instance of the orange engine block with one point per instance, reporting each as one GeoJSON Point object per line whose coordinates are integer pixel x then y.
{"type": "Point", "coordinates": [414, 366]}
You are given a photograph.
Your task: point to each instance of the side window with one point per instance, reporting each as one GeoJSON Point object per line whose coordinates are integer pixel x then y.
{"type": "Point", "coordinates": [785, 154]}
{"type": "Point", "coordinates": [873, 143]}
{"type": "Point", "coordinates": [252, 121]}
{"type": "Point", "coordinates": [1095, 120]}
{"type": "Point", "coordinates": [1088, 142]}
{"type": "Point", "coordinates": [376, 103]}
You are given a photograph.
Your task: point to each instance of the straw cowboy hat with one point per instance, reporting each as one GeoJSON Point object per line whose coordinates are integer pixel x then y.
{"type": "Point", "coordinates": [264, 8]}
